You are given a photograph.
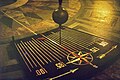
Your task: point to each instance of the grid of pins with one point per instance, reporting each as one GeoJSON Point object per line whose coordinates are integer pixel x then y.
{"type": "Point", "coordinates": [37, 53]}
{"type": "Point", "coordinates": [73, 40]}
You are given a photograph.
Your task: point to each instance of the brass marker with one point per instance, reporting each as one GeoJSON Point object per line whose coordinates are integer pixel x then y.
{"type": "Point", "coordinates": [103, 55]}
{"type": "Point", "coordinates": [71, 71]}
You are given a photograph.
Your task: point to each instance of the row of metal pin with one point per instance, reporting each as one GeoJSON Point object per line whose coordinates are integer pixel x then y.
{"type": "Point", "coordinates": [86, 42]}
{"type": "Point", "coordinates": [34, 51]}
{"type": "Point", "coordinates": [58, 50]}
{"type": "Point", "coordinates": [54, 37]}
{"type": "Point", "coordinates": [74, 45]}
{"type": "Point", "coordinates": [64, 43]}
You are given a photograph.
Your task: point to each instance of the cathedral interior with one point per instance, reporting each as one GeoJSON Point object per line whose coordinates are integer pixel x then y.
{"type": "Point", "coordinates": [59, 39]}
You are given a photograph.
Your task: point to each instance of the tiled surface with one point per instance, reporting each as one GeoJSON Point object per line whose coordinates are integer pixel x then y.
{"type": "Point", "coordinates": [111, 73]}
{"type": "Point", "coordinates": [36, 15]}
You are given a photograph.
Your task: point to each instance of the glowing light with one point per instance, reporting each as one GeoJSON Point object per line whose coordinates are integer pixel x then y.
{"type": "Point", "coordinates": [103, 11]}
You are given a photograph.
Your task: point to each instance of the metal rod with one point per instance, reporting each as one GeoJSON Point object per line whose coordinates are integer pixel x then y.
{"type": "Point", "coordinates": [60, 32]}
{"type": "Point", "coordinates": [57, 44]}
{"type": "Point", "coordinates": [60, 46]}
{"type": "Point", "coordinates": [37, 53]}
{"type": "Point", "coordinates": [54, 43]}
{"type": "Point", "coordinates": [63, 43]}
{"type": "Point", "coordinates": [52, 47]}
{"type": "Point", "coordinates": [60, 2]}
{"type": "Point", "coordinates": [75, 42]}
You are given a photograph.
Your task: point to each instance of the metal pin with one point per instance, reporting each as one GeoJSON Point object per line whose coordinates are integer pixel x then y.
{"type": "Point", "coordinates": [79, 45]}
{"type": "Point", "coordinates": [65, 44]}
{"type": "Point", "coordinates": [67, 32]}
{"type": "Point", "coordinates": [72, 40]}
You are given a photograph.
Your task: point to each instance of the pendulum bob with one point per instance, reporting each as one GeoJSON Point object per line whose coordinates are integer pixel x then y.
{"type": "Point", "coordinates": [60, 15]}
